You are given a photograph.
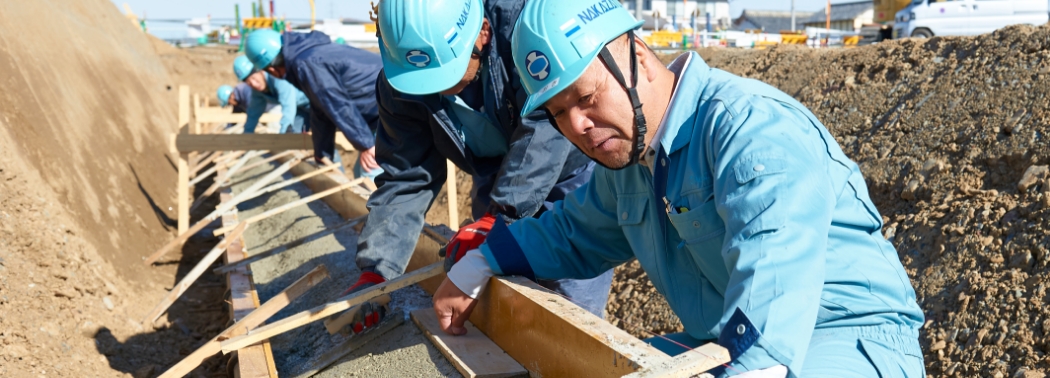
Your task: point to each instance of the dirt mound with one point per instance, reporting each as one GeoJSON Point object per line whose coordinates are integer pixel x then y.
{"type": "Point", "coordinates": [203, 68]}
{"type": "Point", "coordinates": [944, 130]}
{"type": "Point", "coordinates": [86, 190]}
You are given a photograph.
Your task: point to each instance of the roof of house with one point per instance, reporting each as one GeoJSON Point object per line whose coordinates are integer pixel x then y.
{"type": "Point", "coordinates": [842, 12]}
{"type": "Point", "coordinates": [772, 21]}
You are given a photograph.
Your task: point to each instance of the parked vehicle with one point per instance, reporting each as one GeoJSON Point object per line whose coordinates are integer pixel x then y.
{"type": "Point", "coordinates": [927, 18]}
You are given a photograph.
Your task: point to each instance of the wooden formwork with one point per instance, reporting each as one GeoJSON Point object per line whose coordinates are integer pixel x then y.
{"type": "Point", "coordinates": [542, 331]}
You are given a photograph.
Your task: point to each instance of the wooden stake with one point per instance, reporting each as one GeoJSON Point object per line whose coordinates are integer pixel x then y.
{"type": "Point", "coordinates": [453, 203]}
{"type": "Point", "coordinates": [184, 194]}
{"type": "Point", "coordinates": [270, 159]}
{"type": "Point", "coordinates": [252, 320]}
{"type": "Point", "coordinates": [192, 276]}
{"type": "Point", "coordinates": [295, 243]}
{"type": "Point", "coordinates": [204, 160]}
{"type": "Point", "coordinates": [219, 163]}
{"type": "Point", "coordinates": [324, 311]}
{"type": "Point", "coordinates": [291, 205]}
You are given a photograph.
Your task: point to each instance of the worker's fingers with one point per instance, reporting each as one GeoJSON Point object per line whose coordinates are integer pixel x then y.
{"type": "Point", "coordinates": [452, 307]}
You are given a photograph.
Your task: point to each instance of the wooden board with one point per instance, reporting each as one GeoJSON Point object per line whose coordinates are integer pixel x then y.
{"type": "Point", "coordinates": [453, 200]}
{"type": "Point", "coordinates": [553, 337]}
{"type": "Point", "coordinates": [353, 343]}
{"type": "Point", "coordinates": [688, 364]}
{"type": "Point", "coordinates": [216, 117]}
{"type": "Point", "coordinates": [244, 142]}
{"type": "Point", "coordinates": [473, 354]}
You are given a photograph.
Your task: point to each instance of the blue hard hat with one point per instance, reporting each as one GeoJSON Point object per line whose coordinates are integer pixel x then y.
{"type": "Point", "coordinates": [555, 40]}
{"type": "Point", "coordinates": [340, 41]}
{"type": "Point", "coordinates": [262, 47]}
{"type": "Point", "coordinates": [242, 67]}
{"type": "Point", "coordinates": [224, 94]}
{"type": "Point", "coordinates": [426, 44]}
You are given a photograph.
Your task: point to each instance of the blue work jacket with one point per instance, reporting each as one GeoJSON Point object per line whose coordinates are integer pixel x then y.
{"type": "Point", "coordinates": [767, 232]}
{"type": "Point", "coordinates": [278, 92]}
{"type": "Point", "coordinates": [418, 133]}
{"type": "Point", "coordinates": [340, 82]}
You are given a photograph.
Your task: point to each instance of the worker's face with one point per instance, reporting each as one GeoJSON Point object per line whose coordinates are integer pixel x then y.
{"type": "Point", "coordinates": [257, 81]}
{"type": "Point", "coordinates": [475, 61]}
{"type": "Point", "coordinates": [232, 100]}
{"type": "Point", "coordinates": [277, 72]}
{"type": "Point", "coordinates": [596, 115]}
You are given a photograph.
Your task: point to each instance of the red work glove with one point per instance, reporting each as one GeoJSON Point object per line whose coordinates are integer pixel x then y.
{"type": "Point", "coordinates": [469, 237]}
{"type": "Point", "coordinates": [371, 313]}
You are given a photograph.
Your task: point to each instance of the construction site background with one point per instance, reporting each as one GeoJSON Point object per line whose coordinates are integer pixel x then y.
{"type": "Point", "coordinates": [944, 130]}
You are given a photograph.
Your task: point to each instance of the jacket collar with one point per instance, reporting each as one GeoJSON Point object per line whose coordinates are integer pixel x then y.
{"type": "Point", "coordinates": [676, 129]}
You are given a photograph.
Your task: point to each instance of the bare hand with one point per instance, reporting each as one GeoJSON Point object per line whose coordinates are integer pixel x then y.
{"type": "Point", "coordinates": [368, 159]}
{"type": "Point", "coordinates": [453, 308]}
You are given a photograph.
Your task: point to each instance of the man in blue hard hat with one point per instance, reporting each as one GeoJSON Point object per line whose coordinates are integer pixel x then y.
{"type": "Point", "coordinates": [449, 91]}
{"type": "Point", "coordinates": [239, 97]}
{"type": "Point", "coordinates": [338, 80]}
{"type": "Point", "coordinates": [268, 90]}
{"type": "Point", "coordinates": [734, 198]}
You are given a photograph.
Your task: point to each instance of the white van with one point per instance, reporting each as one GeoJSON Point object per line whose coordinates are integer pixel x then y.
{"type": "Point", "coordinates": [927, 18]}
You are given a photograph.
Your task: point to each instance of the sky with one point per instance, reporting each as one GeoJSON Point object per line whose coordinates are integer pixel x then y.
{"type": "Point", "coordinates": [357, 9]}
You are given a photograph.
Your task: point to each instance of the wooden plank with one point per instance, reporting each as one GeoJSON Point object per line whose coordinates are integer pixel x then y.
{"type": "Point", "coordinates": [688, 364]}
{"type": "Point", "coordinates": [473, 354]}
{"type": "Point", "coordinates": [252, 320]}
{"type": "Point", "coordinates": [336, 323]}
{"type": "Point", "coordinates": [290, 205]}
{"type": "Point", "coordinates": [184, 194]}
{"type": "Point", "coordinates": [192, 276]}
{"type": "Point", "coordinates": [244, 142]}
{"type": "Point", "coordinates": [219, 164]}
{"type": "Point", "coordinates": [453, 202]}
{"type": "Point", "coordinates": [321, 312]}
{"type": "Point", "coordinates": [184, 106]}
{"type": "Point", "coordinates": [220, 179]}
{"type": "Point", "coordinates": [553, 337]}
{"type": "Point", "coordinates": [196, 107]}
{"type": "Point", "coordinates": [251, 361]}
{"type": "Point", "coordinates": [349, 204]}
{"type": "Point", "coordinates": [353, 343]}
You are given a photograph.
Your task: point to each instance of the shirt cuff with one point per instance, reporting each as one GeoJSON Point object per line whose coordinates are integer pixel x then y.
{"type": "Point", "coordinates": [471, 273]}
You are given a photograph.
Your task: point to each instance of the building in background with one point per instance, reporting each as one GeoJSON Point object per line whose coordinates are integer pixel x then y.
{"type": "Point", "coordinates": [769, 21]}
{"type": "Point", "coordinates": [845, 17]}
{"type": "Point", "coordinates": [674, 15]}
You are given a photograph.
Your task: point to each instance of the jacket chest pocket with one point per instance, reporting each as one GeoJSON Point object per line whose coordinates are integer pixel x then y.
{"type": "Point", "coordinates": [631, 212]}
{"type": "Point", "coordinates": [696, 220]}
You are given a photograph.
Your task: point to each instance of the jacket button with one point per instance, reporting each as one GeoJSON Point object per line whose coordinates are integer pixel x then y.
{"type": "Point", "coordinates": [663, 162]}
{"type": "Point", "coordinates": [624, 215]}
{"type": "Point", "coordinates": [760, 168]}
{"type": "Point", "coordinates": [696, 224]}
{"type": "Point", "coordinates": [740, 329]}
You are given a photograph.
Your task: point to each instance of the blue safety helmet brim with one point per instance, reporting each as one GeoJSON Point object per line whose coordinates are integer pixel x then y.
{"type": "Point", "coordinates": [443, 69]}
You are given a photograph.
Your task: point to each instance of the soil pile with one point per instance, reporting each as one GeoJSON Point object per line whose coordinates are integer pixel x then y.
{"type": "Point", "coordinates": [945, 130]}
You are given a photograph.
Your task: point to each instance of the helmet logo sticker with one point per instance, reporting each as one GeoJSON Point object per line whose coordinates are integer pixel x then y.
{"type": "Point", "coordinates": [418, 58]}
{"type": "Point", "coordinates": [567, 25]}
{"type": "Point", "coordinates": [537, 65]}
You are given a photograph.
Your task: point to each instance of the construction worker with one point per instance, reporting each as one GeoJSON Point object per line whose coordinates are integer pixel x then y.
{"type": "Point", "coordinates": [449, 91]}
{"type": "Point", "coordinates": [268, 90]}
{"type": "Point", "coordinates": [239, 97]}
{"type": "Point", "coordinates": [734, 198]}
{"type": "Point", "coordinates": [338, 80]}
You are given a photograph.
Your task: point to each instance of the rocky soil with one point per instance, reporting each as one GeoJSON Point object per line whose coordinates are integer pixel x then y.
{"type": "Point", "coordinates": [951, 134]}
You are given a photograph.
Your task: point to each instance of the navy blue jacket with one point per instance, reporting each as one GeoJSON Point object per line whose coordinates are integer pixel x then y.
{"type": "Point", "coordinates": [417, 135]}
{"type": "Point", "coordinates": [243, 93]}
{"type": "Point", "coordinates": [340, 82]}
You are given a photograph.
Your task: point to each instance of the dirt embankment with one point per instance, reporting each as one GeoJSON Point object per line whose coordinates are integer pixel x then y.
{"type": "Point", "coordinates": [944, 130]}
{"type": "Point", "coordinates": [86, 190]}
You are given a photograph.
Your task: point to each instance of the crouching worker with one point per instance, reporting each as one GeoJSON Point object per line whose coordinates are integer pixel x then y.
{"type": "Point", "coordinates": [268, 91]}
{"type": "Point", "coordinates": [338, 80]}
{"type": "Point", "coordinates": [456, 97]}
{"type": "Point", "coordinates": [735, 199]}
{"type": "Point", "coordinates": [239, 97]}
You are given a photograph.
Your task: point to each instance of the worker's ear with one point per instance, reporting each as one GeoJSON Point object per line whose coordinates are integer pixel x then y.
{"type": "Point", "coordinates": [647, 60]}
{"type": "Point", "coordinates": [486, 34]}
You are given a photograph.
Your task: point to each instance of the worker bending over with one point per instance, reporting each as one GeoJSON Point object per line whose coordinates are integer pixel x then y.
{"type": "Point", "coordinates": [339, 82]}
{"type": "Point", "coordinates": [239, 97]}
{"type": "Point", "coordinates": [449, 91]}
{"type": "Point", "coordinates": [734, 198]}
{"type": "Point", "coordinates": [268, 90]}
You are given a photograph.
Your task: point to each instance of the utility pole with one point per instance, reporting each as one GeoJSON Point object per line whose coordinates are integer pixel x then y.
{"type": "Point", "coordinates": [793, 28]}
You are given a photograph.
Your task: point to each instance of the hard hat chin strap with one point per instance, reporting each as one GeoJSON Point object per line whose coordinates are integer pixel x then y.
{"type": "Point", "coordinates": [632, 92]}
